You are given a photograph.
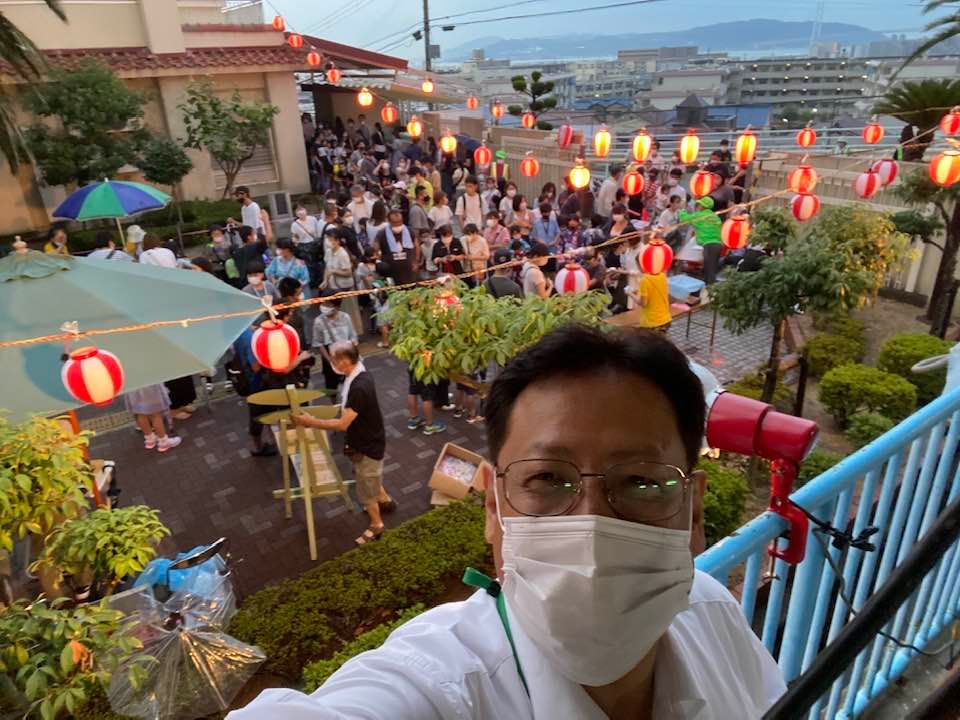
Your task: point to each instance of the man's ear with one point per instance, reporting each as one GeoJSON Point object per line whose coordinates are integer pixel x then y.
{"type": "Point", "coordinates": [698, 538]}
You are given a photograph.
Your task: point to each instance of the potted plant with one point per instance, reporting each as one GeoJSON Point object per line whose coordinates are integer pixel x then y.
{"type": "Point", "coordinates": [97, 551]}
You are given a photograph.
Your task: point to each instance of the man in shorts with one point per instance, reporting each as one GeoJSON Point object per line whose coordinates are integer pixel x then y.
{"type": "Point", "coordinates": [432, 395]}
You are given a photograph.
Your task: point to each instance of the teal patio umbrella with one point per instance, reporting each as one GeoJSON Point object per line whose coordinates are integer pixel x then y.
{"type": "Point", "coordinates": [39, 293]}
{"type": "Point", "coordinates": [111, 199]}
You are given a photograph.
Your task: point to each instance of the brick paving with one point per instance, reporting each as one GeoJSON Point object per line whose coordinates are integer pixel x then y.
{"type": "Point", "coordinates": [210, 486]}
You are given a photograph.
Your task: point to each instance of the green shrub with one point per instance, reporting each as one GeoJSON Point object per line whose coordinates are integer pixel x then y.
{"type": "Point", "coordinates": [865, 427]}
{"type": "Point", "coordinates": [725, 500]}
{"type": "Point", "coordinates": [316, 673]}
{"type": "Point", "coordinates": [315, 615]}
{"type": "Point", "coordinates": [817, 463]}
{"type": "Point", "coordinates": [844, 326]}
{"type": "Point", "coordinates": [751, 386]}
{"type": "Point", "coordinates": [827, 351]}
{"type": "Point", "coordinates": [846, 389]}
{"type": "Point", "coordinates": [902, 352]}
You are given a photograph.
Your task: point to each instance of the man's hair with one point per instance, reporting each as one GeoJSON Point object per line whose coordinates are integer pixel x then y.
{"type": "Point", "coordinates": [102, 239]}
{"type": "Point", "coordinates": [151, 241]}
{"type": "Point", "coordinates": [255, 268]}
{"type": "Point", "coordinates": [574, 351]}
{"type": "Point", "coordinates": [420, 190]}
{"type": "Point", "coordinates": [618, 209]}
{"type": "Point", "coordinates": [346, 350]}
{"type": "Point", "coordinates": [615, 169]}
{"type": "Point", "coordinates": [538, 249]}
{"type": "Point", "coordinates": [241, 190]}
{"type": "Point", "coordinates": [245, 232]}
{"type": "Point", "coordinates": [470, 229]}
{"type": "Point", "coordinates": [724, 142]}
{"type": "Point", "coordinates": [676, 172]}
{"type": "Point", "coordinates": [444, 231]}
{"type": "Point", "coordinates": [288, 287]}
{"type": "Point", "coordinates": [471, 180]}
{"type": "Point", "coordinates": [545, 208]}
{"type": "Point", "coordinates": [284, 244]}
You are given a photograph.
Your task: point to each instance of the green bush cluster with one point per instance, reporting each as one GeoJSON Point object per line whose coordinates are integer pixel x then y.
{"type": "Point", "coordinates": [817, 463]}
{"type": "Point", "coordinates": [846, 389]}
{"type": "Point", "coordinates": [903, 351]}
{"type": "Point", "coordinates": [316, 673]}
{"type": "Point", "coordinates": [751, 386]}
{"type": "Point", "coordinates": [844, 326]}
{"type": "Point", "coordinates": [865, 427]}
{"type": "Point", "coordinates": [826, 351]}
{"type": "Point", "coordinates": [724, 501]}
{"type": "Point", "coordinates": [314, 616]}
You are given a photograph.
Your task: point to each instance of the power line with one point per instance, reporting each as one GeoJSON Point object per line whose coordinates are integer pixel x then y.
{"type": "Point", "coordinates": [559, 12]}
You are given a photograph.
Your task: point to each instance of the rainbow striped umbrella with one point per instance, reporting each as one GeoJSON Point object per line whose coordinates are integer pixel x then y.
{"type": "Point", "coordinates": [111, 199]}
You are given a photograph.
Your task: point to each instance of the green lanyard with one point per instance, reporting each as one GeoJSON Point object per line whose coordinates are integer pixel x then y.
{"type": "Point", "coordinates": [477, 579]}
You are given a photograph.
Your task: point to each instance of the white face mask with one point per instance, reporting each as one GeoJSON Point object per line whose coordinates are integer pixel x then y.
{"type": "Point", "coordinates": [594, 593]}
{"type": "Point", "coordinates": [397, 229]}
{"type": "Point", "coordinates": [491, 223]}
{"type": "Point", "coordinates": [255, 279]}
{"type": "Point", "coordinates": [511, 193]}
{"type": "Point", "coordinates": [348, 219]}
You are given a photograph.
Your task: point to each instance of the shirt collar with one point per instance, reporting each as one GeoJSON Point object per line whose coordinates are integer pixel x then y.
{"type": "Point", "coordinates": [345, 390]}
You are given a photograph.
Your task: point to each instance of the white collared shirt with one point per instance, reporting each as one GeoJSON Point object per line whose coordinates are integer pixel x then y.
{"type": "Point", "coordinates": [454, 663]}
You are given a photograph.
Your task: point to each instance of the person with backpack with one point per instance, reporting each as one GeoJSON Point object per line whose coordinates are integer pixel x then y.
{"type": "Point", "coordinates": [500, 284]}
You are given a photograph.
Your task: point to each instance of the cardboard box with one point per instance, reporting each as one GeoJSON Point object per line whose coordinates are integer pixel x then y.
{"type": "Point", "coordinates": [452, 486]}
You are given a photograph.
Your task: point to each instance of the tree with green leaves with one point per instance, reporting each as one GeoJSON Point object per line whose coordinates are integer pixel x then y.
{"type": "Point", "coordinates": [944, 28]}
{"type": "Point", "coordinates": [920, 104]}
{"type": "Point", "coordinates": [917, 189]}
{"type": "Point", "coordinates": [164, 162]}
{"type": "Point", "coordinates": [838, 265]}
{"type": "Point", "coordinates": [538, 91]}
{"type": "Point", "coordinates": [19, 52]}
{"type": "Point", "coordinates": [97, 125]}
{"type": "Point", "coordinates": [229, 129]}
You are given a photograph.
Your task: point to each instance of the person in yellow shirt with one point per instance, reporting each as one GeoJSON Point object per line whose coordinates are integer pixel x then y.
{"type": "Point", "coordinates": [56, 242]}
{"type": "Point", "coordinates": [420, 180]}
{"type": "Point", "coordinates": [653, 297]}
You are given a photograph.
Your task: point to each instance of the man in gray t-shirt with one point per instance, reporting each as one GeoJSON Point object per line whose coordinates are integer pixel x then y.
{"type": "Point", "coordinates": [500, 284]}
{"type": "Point", "coordinates": [534, 283]}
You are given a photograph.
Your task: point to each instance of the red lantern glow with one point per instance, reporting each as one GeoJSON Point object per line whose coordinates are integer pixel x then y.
{"type": "Point", "coordinates": [415, 127]}
{"type": "Point", "coordinates": [92, 376]}
{"type": "Point", "coordinates": [945, 168]}
{"type": "Point", "coordinates": [428, 86]}
{"type": "Point", "coordinates": [447, 300]}
{"type": "Point", "coordinates": [803, 179]}
{"type": "Point", "coordinates": [657, 257]}
{"type": "Point", "coordinates": [528, 120]}
{"type": "Point", "coordinates": [804, 206]}
{"type": "Point", "coordinates": [497, 109]}
{"type": "Point", "coordinates": [472, 102]}
{"type": "Point", "coordinates": [448, 143]}
{"type": "Point", "coordinates": [873, 133]}
{"type": "Point", "coordinates": [746, 149]}
{"type": "Point", "coordinates": [365, 98]}
{"type": "Point", "coordinates": [866, 184]}
{"type": "Point", "coordinates": [278, 24]}
{"type": "Point", "coordinates": [482, 156]}
{"type": "Point", "coordinates": [950, 123]}
{"type": "Point", "coordinates": [389, 113]}
{"type": "Point", "coordinates": [572, 280]}
{"type": "Point", "coordinates": [602, 139]}
{"type": "Point", "coordinates": [632, 183]}
{"type": "Point", "coordinates": [295, 41]}
{"type": "Point", "coordinates": [689, 147]}
{"type": "Point", "coordinates": [275, 345]}
{"type": "Point", "coordinates": [886, 170]}
{"type": "Point", "coordinates": [735, 232]}
{"type": "Point", "coordinates": [642, 144]}
{"type": "Point", "coordinates": [529, 166]}
{"type": "Point", "coordinates": [702, 183]}
{"type": "Point", "coordinates": [314, 59]}
{"type": "Point", "coordinates": [580, 175]}
{"type": "Point", "coordinates": [564, 136]}
{"type": "Point", "coordinates": [806, 137]}
{"type": "Point", "coordinates": [333, 74]}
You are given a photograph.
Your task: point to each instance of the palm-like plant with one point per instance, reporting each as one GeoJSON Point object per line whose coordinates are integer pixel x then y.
{"type": "Point", "coordinates": [917, 103]}
{"type": "Point", "coordinates": [945, 28]}
{"type": "Point", "coordinates": [19, 52]}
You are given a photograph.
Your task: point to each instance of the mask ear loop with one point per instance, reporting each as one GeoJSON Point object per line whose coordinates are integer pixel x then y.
{"type": "Point", "coordinates": [496, 501]}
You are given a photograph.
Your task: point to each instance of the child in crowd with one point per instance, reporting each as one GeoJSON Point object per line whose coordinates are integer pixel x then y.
{"type": "Point", "coordinates": [517, 239]}
{"type": "Point", "coordinates": [653, 298]}
{"type": "Point", "coordinates": [466, 400]}
{"type": "Point", "coordinates": [428, 239]}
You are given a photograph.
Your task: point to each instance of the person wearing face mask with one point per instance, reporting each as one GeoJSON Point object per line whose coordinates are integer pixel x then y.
{"type": "Point", "coordinates": [359, 206]}
{"type": "Point", "coordinates": [305, 228]}
{"type": "Point", "coordinates": [332, 326]}
{"type": "Point", "coordinates": [448, 254]}
{"type": "Point", "coordinates": [257, 284]}
{"type": "Point", "coordinates": [506, 203]}
{"type": "Point", "coordinates": [285, 264]}
{"type": "Point", "coordinates": [218, 251]}
{"type": "Point", "coordinates": [596, 610]}
{"type": "Point", "coordinates": [398, 250]}
{"type": "Point", "coordinates": [531, 274]}
{"type": "Point", "coordinates": [249, 212]}
{"type": "Point", "coordinates": [605, 196]}
{"type": "Point", "coordinates": [495, 232]}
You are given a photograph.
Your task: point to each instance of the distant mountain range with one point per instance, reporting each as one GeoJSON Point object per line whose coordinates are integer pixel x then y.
{"type": "Point", "coordinates": [750, 35]}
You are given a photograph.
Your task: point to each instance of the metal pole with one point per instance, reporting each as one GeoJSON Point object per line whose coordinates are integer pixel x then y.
{"type": "Point", "coordinates": [839, 655]}
{"type": "Point", "coordinates": [428, 63]}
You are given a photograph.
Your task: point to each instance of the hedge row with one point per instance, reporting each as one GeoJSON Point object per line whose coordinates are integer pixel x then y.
{"type": "Point", "coordinates": [901, 352]}
{"type": "Point", "coordinates": [314, 616]}
{"type": "Point", "coordinates": [751, 386]}
{"type": "Point", "coordinates": [848, 389]}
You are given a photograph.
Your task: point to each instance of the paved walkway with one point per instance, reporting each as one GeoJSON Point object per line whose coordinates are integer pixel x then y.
{"type": "Point", "coordinates": [210, 486]}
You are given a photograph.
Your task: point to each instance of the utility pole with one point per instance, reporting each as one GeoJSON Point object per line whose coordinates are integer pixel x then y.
{"type": "Point", "coordinates": [428, 63]}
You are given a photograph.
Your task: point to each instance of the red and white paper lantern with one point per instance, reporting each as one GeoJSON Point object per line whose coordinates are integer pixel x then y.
{"type": "Point", "coordinates": [804, 206]}
{"type": "Point", "coordinates": [702, 183]}
{"type": "Point", "coordinates": [866, 184]}
{"type": "Point", "coordinates": [802, 179]}
{"type": "Point", "coordinates": [564, 135]}
{"type": "Point", "coordinates": [642, 145]}
{"type": "Point", "coordinates": [92, 376]}
{"type": "Point", "coordinates": [689, 147]}
{"type": "Point", "coordinates": [886, 170]}
{"type": "Point", "coordinates": [528, 120]}
{"type": "Point", "coordinates": [275, 345]}
{"type": "Point", "coordinates": [873, 133]}
{"type": "Point", "coordinates": [529, 166]}
{"type": "Point", "coordinates": [572, 279]}
{"type": "Point", "coordinates": [746, 148]}
{"type": "Point", "coordinates": [806, 137]}
{"type": "Point", "coordinates": [950, 123]}
{"type": "Point", "coordinates": [656, 257]}
{"type": "Point", "coordinates": [632, 183]}
{"type": "Point", "coordinates": [735, 232]}
{"type": "Point", "coordinates": [945, 168]}
{"type": "Point", "coordinates": [447, 300]}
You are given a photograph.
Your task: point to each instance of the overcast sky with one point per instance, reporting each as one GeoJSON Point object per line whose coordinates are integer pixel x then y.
{"type": "Point", "coordinates": [362, 22]}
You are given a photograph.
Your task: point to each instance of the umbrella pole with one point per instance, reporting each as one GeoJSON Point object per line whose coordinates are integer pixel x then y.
{"type": "Point", "coordinates": [122, 244]}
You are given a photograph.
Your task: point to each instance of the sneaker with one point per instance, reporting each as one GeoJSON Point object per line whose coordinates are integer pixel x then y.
{"type": "Point", "coordinates": [168, 443]}
{"type": "Point", "coordinates": [458, 412]}
{"type": "Point", "coordinates": [449, 407]}
{"type": "Point", "coordinates": [437, 427]}
{"type": "Point", "coordinates": [150, 441]}
{"type": "Point", "coordinates": [475, 419]}
{"type": "Point", "coordinates": [415, 422]}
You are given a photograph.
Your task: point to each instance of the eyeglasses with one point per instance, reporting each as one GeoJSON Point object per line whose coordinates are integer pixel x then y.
{"type": "Point", "coordinates": [638, 491]}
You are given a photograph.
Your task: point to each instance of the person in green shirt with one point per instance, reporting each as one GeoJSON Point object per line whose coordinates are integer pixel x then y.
{"type": "Point", "coordinates": [706, 224]}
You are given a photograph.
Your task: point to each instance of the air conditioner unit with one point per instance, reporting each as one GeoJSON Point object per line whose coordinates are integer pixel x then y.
{"type": "Point", "coordinates": [280, 206]}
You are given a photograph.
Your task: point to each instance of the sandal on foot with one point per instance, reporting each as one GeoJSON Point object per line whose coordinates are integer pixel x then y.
{"type": "Point", "coordinates": [369, 535]}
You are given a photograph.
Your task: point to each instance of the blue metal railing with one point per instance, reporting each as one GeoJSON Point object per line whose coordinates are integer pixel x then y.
{"type": "Point", "coordinates": [899, 483]}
